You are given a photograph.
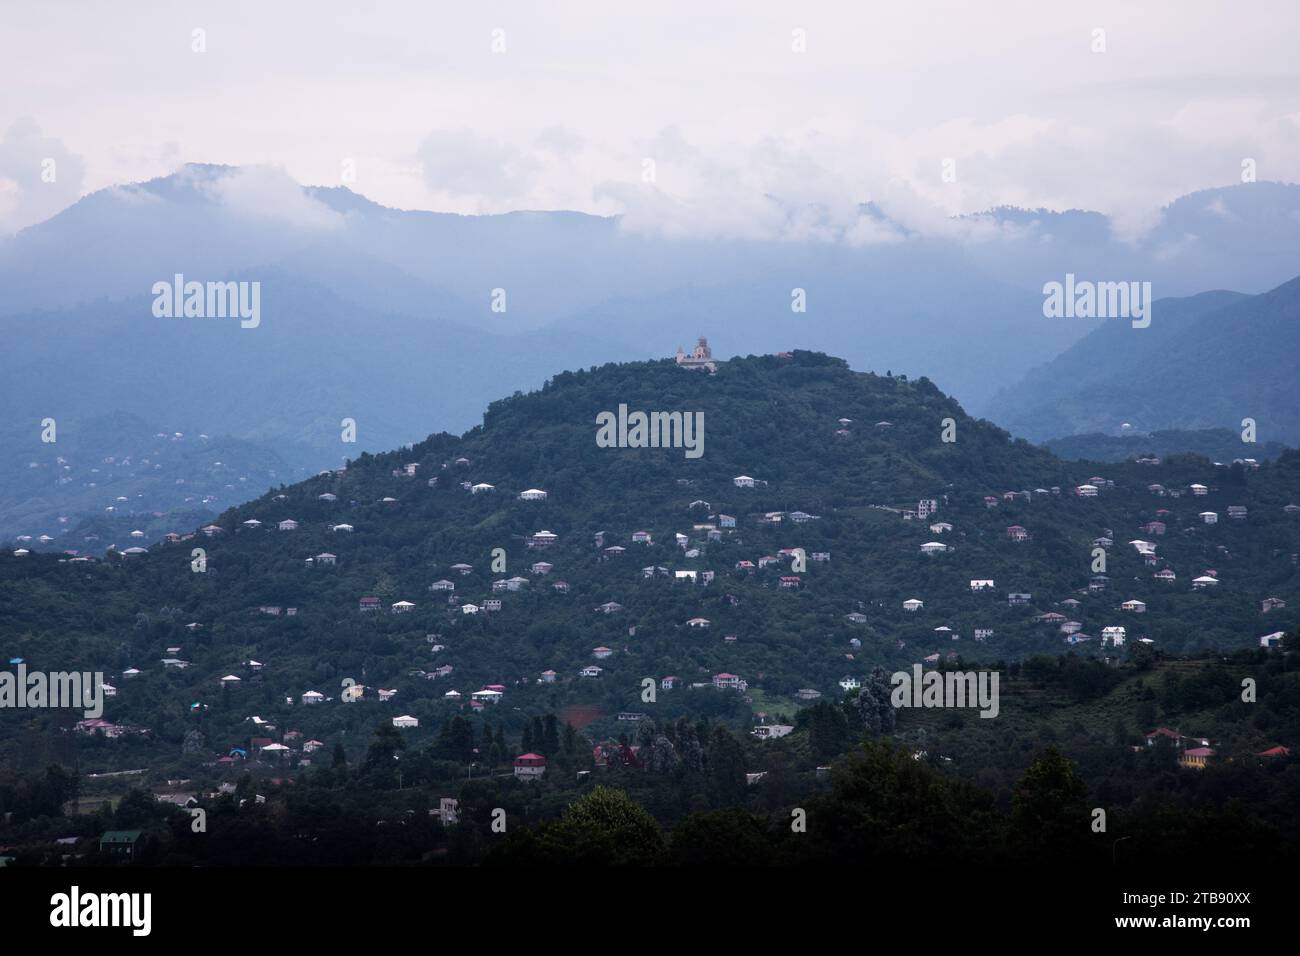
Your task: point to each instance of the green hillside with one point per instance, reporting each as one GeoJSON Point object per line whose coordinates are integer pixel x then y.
{"type": "Point", "coordinates": [416, 513]}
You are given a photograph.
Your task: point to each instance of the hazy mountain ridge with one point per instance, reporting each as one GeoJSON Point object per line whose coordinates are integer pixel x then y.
{"type": "Point", "coordinates": [1208, 361]}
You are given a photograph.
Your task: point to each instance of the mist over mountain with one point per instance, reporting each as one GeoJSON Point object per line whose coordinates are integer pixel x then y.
{"type": "Point", "coordinates": [1206, 361]}
{"type": "Point", "coordinates": [881, 294]}
{"type": "Point", "coordinates": [386, 316]}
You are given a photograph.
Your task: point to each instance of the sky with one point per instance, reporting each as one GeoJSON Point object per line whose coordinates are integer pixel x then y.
{"type": "Point", "coordinates": [686, 118]}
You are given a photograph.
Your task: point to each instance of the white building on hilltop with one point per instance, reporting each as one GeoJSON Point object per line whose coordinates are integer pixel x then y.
{"type": "Point", "coordinates": [701, 357]}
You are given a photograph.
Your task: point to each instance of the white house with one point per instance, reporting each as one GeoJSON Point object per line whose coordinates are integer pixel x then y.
{"type": "Point", "coordinates": [288, 524]}
{"type": "Point", "coordinates": [481, 487]}
{"type": "Point", "coordinates": [1272, 640]}
{"type": "Point", "coordinates": [981, 584]}
{"type": "Point", "coordinates": [406, 720]}
{"type": "Point", "coordinates": [743, 481]}
{"type": "Point", "coordinates": [1209, 517]}
{"type": "Point", "coordinates": [1136, 606]}
{"type": "Point", "coordinates": [1204, 581]}
{"type": "Point", "coordinates": [532, 494]}
{"type": "Point", "coordinates": [312, 697]}
{"type": "Point", "coordinates": [933, 547]}
{"type": "Point", "coordinates": [913, 604]}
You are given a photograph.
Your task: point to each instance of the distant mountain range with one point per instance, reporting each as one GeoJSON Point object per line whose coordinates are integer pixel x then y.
{"type": "Point", "coordinates": [1207, 361]}
{"type": "Point", "coordinates": [385, 316]}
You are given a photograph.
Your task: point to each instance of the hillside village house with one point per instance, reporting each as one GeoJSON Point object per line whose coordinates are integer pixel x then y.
{"type": "Point", "coordinates": [1204, 581]}
{"type": "Point", "coordinates": [1209, 517]}
{"type": "Point", "coordinates": [743, 481]}
{"type": "Point", "coordinates": [1165, 574]}
{"type": "Point", "coordinates": [600, 653]}
{"type": "Point", "coordinates": [442, 585]}
{"type": "Point", "coordinates": [933, 547]}
{"type": "Point", "coordinates": [324, 558]}
{"type": "Point", "coordinates": [327, 496]}
{"type": "Point", "coordinates": [368, 604]}
{"type": "Point", "coordinates": [940, 527]}
{"type": "Point", "coordinates": [1199, 490]}
{"type": "Point", "coordinates": [561, 587]}
{"type": "Point", "coordinates": [463, 569]}
{"type": "Point", "coordinates": [850, 683]}
{"type": "Point", "coordinates": [529, 766]}
{"type": "Point", "coordinates": [610, 607]}
{"type": "Point", "coordinates": [288, 525]}
{"type": "Point", "coordinates": [313, 697]}
{"type": "Point", "coordinates": [1237, 512]}
{"type": "Point", "coordinates": [1015, 599]}
{"type": "Point", "coordinates": [983, 633]}
{"type": "Point", "coordinates": [725, 681]}
{"type": "Point", "coordinates": [1086, 491]}
{"type": "Point", "coordinates": [670, 682]}
{"type": "Point", "coordinates": [1272, 640]}
{"type": "Point", "coordinates": [641, 537]}
{"type": "Point", "coordinates": [771, 731]}
{"type": "Point", "coordinates": [1136, 606]}
{"type": "Point", "coordinates": [788, 581]}
{"type": "Point", "coordinates": [403, 607]}
{"type": "Point", "coordinates": [406, 720]}
{"type": "Point", "coordinates": [548, 677]}
{"type": "Point", "coordinates": [1271, 604]}
{"type": "Point", "coordinates": [981, 584]}
{"type": "Point", "coordinates": [542, 539]}
{"type": "Point", "coordinates": [856, 618]}
{"type": "Point", "coordinates": [698, 622]}
{"type": "Point", "coordinates": [1016, 533]}
{"type": "Point", "coordinates": [911, 604]}
{"type": "Point", "coordinates": [542, 567]}
{"type": "Point", "coordinates": [532, 494]}
{"type": "Point", "coordinates": [591, 670]}
{"type": "Point", "coordinates": [481, 487]}
{"type": "Point", "coordinates": [470, 609]}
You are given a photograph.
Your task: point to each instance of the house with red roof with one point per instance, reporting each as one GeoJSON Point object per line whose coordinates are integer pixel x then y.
{"type": "Point", "coordinates": [530, 766]}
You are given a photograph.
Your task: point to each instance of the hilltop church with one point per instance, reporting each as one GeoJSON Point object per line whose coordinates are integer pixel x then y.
{"type": "Point", "coordinates": [701, 357]}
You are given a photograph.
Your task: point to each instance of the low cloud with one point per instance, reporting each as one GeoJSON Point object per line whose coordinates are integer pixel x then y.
{"type": "Point", "coordinates": [465, 163]}
{"type": "Point", "coordinates": [39, 176]}
{"type": "Point", "coordinates": [269, 193]}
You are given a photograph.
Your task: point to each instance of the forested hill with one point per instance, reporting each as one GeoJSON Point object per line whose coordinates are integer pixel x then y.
{"type": "Point", "coordinates": [841, 490]}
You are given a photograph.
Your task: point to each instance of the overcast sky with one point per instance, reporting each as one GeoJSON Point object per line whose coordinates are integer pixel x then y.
{"type": "Point", "coordinates": [586, 95]}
